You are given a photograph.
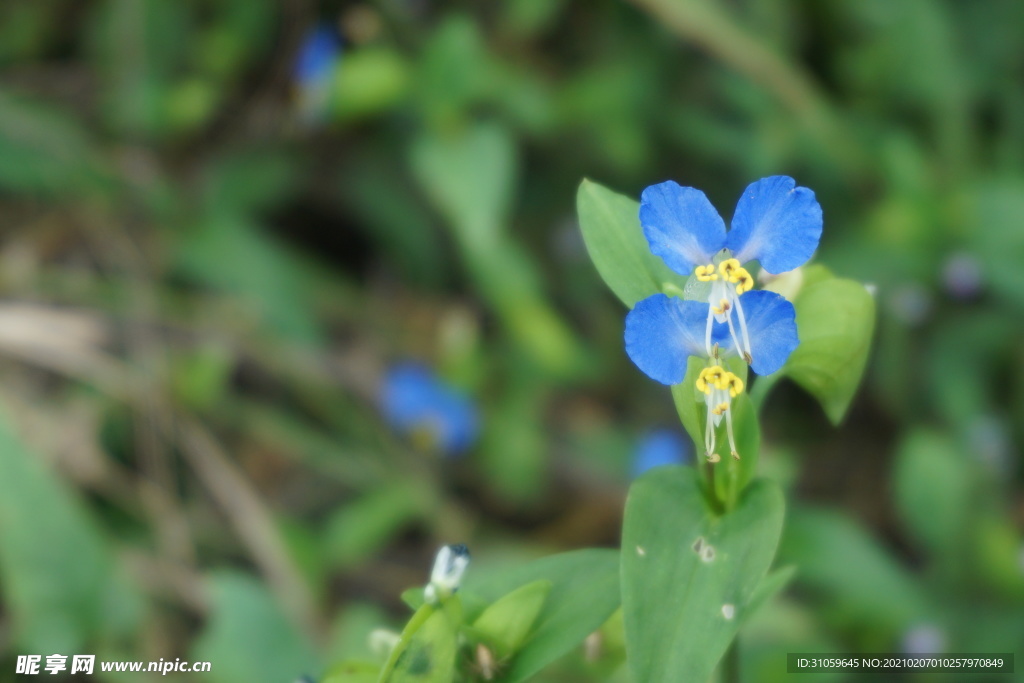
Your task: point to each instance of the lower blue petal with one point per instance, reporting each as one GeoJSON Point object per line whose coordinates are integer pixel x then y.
{"type": "Point", "coordinates": [776, 224]}
{"type": "Point", "coordinates": [663, 332]}
{"type": "Point", "coordinates": [771, 324]}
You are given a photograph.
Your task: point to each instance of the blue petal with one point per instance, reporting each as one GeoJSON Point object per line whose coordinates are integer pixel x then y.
{"type": "Point", "coordinates": [320, 48]}
{"type": "Point", "coordinates": [660, 447]}
{"type": "Point", "coordinates": [771, 324]}
{"type": "Point", "coordinates": [681, 225]}
{"type": "Point", "coordinates": [406, 394]}
{"type": "Point", "coordinates": [456, 420]}
{"type": "Point", "coordinates": [776, 223]}
{"type": "Point", "coordinates": [413, 397]}
{"type": "Point", "coordinates": [663, 332]}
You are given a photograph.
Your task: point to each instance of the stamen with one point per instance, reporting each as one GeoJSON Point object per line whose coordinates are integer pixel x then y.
{"type": "Point", "coordinates": [733, 383]}
{"type": "Point", "coordinates": [706, 273]}
{"type": "Point", "coordinates": [729, 268]}
{"type": "Point", "coordinates": [709, 378]}
{"type": "Point", "coordinates": [732, 439]}
{"type": "Point", "coordinates": [707, 332]}
{"type": "Point", "coordinates": [744, 282]}
{"type": "Point", "coordinates": [721, 308]}
{"type": "Point", "coordinates": [709, 434]}
{"type": "Point", "coordinates": [732, 331]}
{"type": "Point", "coordinates": [745, 349]}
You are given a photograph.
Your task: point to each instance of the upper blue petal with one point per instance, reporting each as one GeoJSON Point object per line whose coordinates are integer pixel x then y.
{"type": "Point", "coordinates": [681, 225]}
{"type": "Point", "coordinates": [660, 447]}
{"type": "Point", "coordinates": [663, 332]}
{"type": "Point", "coordinates": [776, 223]}
{"type": "Point", "coordinates": [771, 324]}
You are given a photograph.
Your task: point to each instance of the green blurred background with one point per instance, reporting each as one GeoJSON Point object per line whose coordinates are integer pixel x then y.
{"type": "Point", "coordinates": [213, 249]}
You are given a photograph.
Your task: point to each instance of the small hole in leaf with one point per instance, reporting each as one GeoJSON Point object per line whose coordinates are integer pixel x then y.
{"type": "Point", "coordinates": [707, 553]}
{"type": "Point", "coordinates": [698, 545]}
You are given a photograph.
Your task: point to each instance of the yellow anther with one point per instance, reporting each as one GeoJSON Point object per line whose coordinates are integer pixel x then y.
{"type": "Point", "coordinates": [721, 308]}
{"type": "Point", "coordinates": [720, 409]}
{"type": "Point", "coordinates": [714, 457]}
{"type": "Point", "coordinates": [706, 273]}
{"type": "Point", "coordinates": [731, 271]}
{"type": "Point", "coordinates": [744, 282]}
{"type": "Point", "coordinates": [728, 269]}
{"type": "Point", "coordinates": [710, 377]}
{"type": "Point", "coordinates": [731, 382]}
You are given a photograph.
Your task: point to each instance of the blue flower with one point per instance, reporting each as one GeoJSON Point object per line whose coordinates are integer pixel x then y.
{"type": "Point", "coordinates": [418, 404]}
{"type": "Point", "coordinates": [317, 55]}
{"type": "Point", "coordinates": [313, 73]}
{"type": "Point", "coordinates": [776, 223]}
{"type": "Point", "coordinates": [660, 447]}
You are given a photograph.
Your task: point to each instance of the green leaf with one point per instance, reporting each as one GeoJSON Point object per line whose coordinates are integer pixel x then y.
{"type": "Point", "coordinates": [857, 580]}
{"type": "Point", "coordinates": [835, 320]}
{"type": "Point", "coordinates": [249, 637]}
{"type": "Point", "coordinates": [934, 482]}
{"type": "Point", "coordinates": [689, 402]}
{"type": "Point", "coordinates": [45, 151]}
{"type": "Point", "coordinates": [469, 176]}
{"type": "Point", "coordinates": [352, 671]}
{"type": "Point", "coordinates": [254, 179]}
{"type": "Point", "coordinates": [611, 229]}
{"type": "Point", "coordinates": [54, 564]}
{"type": "Point", "coordinates": [429, 645]}
{"type": "Point", "coordinates": [506, 623]}
{"type": "Point", "coordinates": [233, 254]}
{"type": "Point", "coordinates": [771, 586]}
{"type": "Point", "coordinates": [138, 44]}
{"type": "Point", "coordinates": [413, 597]}
{"type": "Point", "coordinates": [363, 526]}
{"type": "Point", "coordinates": [688, 577]}
{"type": "Point", "coordinates": [584, 593]}
{"type": "Point", "coordinates": [372, 80]}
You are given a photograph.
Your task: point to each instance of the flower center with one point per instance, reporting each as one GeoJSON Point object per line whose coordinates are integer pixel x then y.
{"type": "Point", "coordinates": [730, 280]}
{"type": "Point", "coordinates": [732, 272]}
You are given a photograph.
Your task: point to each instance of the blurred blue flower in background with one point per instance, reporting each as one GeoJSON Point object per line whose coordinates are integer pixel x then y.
{"type": "Point", "coordinates": [923, 639]}
{"type": "Point", "coordinates": [316, 58]}
{"type": "Point", "coordinates": [660, 447]}
{"type": "Point", "coordinates": [434, 414]}
{"type": "Point", "coordinates": [313, 72]}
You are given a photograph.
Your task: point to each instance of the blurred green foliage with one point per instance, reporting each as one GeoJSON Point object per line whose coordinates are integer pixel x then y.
{"type": "Point", "coordinates": [207, 265]}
